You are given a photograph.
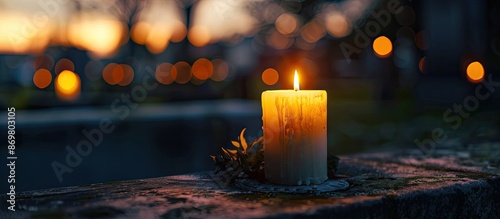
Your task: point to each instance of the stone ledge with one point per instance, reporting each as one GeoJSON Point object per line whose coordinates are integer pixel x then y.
{"type": "Point", "coordinates": [382, 185]}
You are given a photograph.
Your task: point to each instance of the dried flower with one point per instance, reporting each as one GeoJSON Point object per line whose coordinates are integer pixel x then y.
{"type": "Point", "coordinates": [248, 160]}
{"type": "Point", "coordinates": [245, 158]}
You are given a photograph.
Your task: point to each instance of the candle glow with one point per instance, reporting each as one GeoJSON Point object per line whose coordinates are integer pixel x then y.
{"type": "Point", "coordinates": [294, 126]}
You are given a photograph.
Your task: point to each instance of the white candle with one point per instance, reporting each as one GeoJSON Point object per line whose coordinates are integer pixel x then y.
{"type": "Point", "coordinates": [294, 126]}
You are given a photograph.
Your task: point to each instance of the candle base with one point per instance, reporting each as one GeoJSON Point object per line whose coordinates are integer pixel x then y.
{"type": "Point", "coordinates": [298, 182]}
{"type": "Point", "coordinates": [325, 186]}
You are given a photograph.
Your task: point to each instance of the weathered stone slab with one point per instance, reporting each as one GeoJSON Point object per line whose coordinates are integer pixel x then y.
{"type": "Point", "coordinates": [382, 185]}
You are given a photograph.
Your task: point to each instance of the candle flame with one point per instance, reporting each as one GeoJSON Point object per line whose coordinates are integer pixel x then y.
{"type": "Point", "coordinates": [296, 81]}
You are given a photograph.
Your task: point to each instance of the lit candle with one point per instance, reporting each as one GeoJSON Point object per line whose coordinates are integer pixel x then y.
{"type": "Point", "coordinates": [294, 126]}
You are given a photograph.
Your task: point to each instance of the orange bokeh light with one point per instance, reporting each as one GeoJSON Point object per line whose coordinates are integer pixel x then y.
{"type": "Point", "coordinates": [128, 75]}
{"type": "Point", "coordinates": [313, 31]}
{"type": "Point", "coordinates": [140, 31]}
{"type": "Point", "coordinates": [158, 39]}
{"type": "Point", "coordinates": [107, 73]}
{"type": "Point", "coordinates": [180, 32]}
{"type": "Point", "coordinates": [475, 72]}
{"type": "Point", "coordinates": [117, 74]}
{"type": "Point", "coordinates": [181, 72]}
{"type": "Point", "coordinates": [382, 46]}
{"type": "Point", "coordinates": [67, 85]}
{"type": "Point", "coordinates": [99, 34]}
{"type": "Point", "coordinates": [121, 74]}
{"type": "Point", "coordinates": [422, 64]}
{"type": "Point", "coordinates": [337, 25]}
{"type": "Point", "coordinates": [42, 78]}
{"type": "Point", "coordinates": [199, 36]}
{"type": "Point", "coordinates": [287, 23]}
{"type": "Point", "coordinates": [163, 73]}
{"type": "Point", "coordinates": [20, 32]}
{"type": "Point", "coordinates": [221, 70]}
{"type": "Point", "coordinates": [64, 64]}
{"type": "Point", "coordinates": [202, 69]}
{"type": "Point", "coordinates": [270, 76]}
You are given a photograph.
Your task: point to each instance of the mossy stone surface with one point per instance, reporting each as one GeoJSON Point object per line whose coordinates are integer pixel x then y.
{"type": "Point", "coordinates": [382, 185]}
